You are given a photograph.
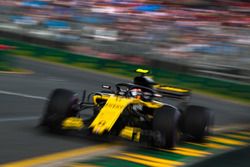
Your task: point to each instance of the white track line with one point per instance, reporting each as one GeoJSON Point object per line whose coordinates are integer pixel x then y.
{"type": "Point", "coordinates": [18, 119]}
{"type": "Point", "coordinates": [22, 95]}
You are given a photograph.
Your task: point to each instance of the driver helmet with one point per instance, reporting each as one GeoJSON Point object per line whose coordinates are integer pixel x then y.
{"type": "Point", "coordinates": [136, 92]}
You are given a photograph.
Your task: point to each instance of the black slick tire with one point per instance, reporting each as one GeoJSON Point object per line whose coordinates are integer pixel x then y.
{"type": "Point", "coordinates": [165, 122]}
{"type": "Point", "coordinates": [59, 107]}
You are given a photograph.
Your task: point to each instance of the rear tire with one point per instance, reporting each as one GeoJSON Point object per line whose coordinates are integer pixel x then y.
{"type": "Point", "coordinates": [165, 122]}
{"type": "Point", "coordinates": [59, 107]}
{"type": "Point", "coordinates": [196, 122]}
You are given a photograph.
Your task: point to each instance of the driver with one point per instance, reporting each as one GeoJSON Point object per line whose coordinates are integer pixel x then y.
{"type": "Point", "coordinates": [136, 92]}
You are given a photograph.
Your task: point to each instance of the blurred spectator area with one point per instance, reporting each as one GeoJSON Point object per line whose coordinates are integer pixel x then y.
{"type": "Point", "coordinates": [212, 36]}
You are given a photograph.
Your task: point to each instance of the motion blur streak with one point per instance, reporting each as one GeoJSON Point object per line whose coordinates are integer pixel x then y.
{"type": "Point", "coordinates": [24, 72]}
{"type": "Point", "coordinates": [245, 133]}
{"type": "Point", "coordinates": [154, 159]}
{"type": "Point", "coordinates": [188, 152]}
{"type": "Point", "coordinates": [226, 141]}
{"type": "Point", "coordinates": [212, 145]}
{"type": "Point", "coordinates": [81, 165]}
{"type": "Point", "coordinates": [22, 95]}
{"type": "Point", "coordinates": [238, 136]}
{"type": "Point", "coordinates": [141, 161]}
{"type": "Point", "coordinates": [58, 156]}
{"type": "Point", "coordinates": [18, 119]}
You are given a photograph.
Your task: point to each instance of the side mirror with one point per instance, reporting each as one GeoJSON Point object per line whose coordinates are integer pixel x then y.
{"type": "Point", "coordinates": [106, 87]}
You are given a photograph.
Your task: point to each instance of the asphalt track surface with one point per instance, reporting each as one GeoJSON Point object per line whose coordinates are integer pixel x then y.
{"type": "Point", "coordinates": [22, 100]}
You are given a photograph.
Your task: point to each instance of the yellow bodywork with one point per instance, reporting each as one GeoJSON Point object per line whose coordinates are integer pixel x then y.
{"type": "Point", "coordinates": [139, 70]}
{"type": "Point", "coordinates": [73, 123]}
{"type": "Point", "coordinates": [131, 133]}
{"type": "Point", "coordinates": [109, 114]}
{"type": "Point", "coordinates": [169, 88]}
{"type": "Point", "coordinates": [113, 108]}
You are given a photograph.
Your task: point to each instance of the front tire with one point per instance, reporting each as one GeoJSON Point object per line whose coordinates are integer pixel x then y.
{"type": "Point", "coordinates": [60, 106]}
{"type": "Point", "coordinates": [165, 122]}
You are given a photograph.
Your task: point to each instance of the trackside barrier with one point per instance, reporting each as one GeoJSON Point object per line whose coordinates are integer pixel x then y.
{"type": "Point", "coordinates": [182, 79]}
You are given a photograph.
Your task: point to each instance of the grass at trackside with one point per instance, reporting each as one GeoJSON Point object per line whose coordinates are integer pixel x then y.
{"type": "Point", "coordinates": [8, 68]}
{"type": "Point", "coordinates": [5, 62]}
{"type": "Point", "coordinates": [4, 67]}
{"type": "Point", "coordinates": [235, 92]}
{"type": "Point", "coordinates": [217, 88]}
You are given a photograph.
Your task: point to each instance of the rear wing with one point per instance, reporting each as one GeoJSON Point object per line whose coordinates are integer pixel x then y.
{"type": "Point", "coordinates": [172, 92]}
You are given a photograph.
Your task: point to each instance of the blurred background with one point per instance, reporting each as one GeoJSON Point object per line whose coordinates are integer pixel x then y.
{"type": "Point", "coordinates": [202, 45]}
{"type": "Point", "coordinates": [208, 38]}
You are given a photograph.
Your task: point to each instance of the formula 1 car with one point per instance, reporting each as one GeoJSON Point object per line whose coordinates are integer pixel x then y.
{"type": "Point", "coordinates": [131, 110]}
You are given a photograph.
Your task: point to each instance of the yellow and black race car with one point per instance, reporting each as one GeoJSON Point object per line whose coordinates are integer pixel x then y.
{"type": "Point", "coordinates": [131, 110]}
